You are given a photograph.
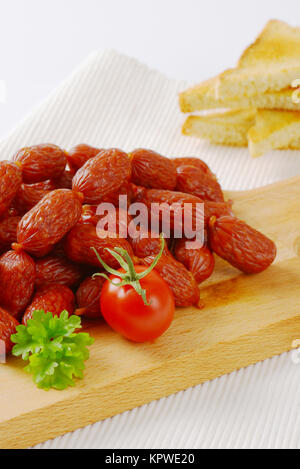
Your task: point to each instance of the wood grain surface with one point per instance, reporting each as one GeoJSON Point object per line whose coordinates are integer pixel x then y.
{"type": "Point", "coordinates": [247, 318]}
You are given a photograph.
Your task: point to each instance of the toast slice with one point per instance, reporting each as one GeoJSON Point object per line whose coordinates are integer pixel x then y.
{"type": "Point", "coordinates": [203, 96]}
{"type": "Point", "coordinates": [274, 130]}
{"type": "Point", "coordinates": [271, 63]}
{"type": "Point", "coordinates": [222, 128]}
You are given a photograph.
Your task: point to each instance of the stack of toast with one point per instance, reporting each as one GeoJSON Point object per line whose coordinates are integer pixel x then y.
{"type": "Point", "coordinates": [255, 104]}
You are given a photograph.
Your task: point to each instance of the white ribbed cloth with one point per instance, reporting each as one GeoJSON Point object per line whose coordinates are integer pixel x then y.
{"type": "Point", "coordinates": [113, 100]}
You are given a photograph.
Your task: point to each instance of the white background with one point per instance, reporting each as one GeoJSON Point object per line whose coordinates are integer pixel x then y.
{"type": "Point", "coordinates": [41, 41]}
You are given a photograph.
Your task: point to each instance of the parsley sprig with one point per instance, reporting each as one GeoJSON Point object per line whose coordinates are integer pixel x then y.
{"type": "Point", "coordinates": [56, 354]}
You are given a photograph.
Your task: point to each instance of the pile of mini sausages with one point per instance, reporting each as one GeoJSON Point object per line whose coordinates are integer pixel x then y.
{"type": "Point", "coordinates": [48, 209]}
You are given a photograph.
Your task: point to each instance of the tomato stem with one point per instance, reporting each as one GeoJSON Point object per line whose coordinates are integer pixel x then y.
{"type": "Point", "coordinates": [130, 276]}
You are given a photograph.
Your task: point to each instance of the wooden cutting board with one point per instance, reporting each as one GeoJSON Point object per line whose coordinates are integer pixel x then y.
{"type": "Point", "coordinates": [247, 318]}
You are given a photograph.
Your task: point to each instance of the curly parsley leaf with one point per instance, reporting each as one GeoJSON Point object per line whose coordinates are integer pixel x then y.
{"type": "Point", "coordinates": [56, 354]}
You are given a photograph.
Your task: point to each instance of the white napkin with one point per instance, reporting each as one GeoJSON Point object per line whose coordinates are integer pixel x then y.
{"type": "Point", "coordinates": [113, 100]}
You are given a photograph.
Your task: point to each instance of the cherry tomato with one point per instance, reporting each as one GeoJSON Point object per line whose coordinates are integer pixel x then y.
{"type": "Point", "coordinates": [125, 311]}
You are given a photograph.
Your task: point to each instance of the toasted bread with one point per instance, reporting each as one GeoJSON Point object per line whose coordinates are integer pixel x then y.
{"type": "Point", "coordinates": [274, 130]}
{"type": "Point", "coordinates": [203, 96]}
{"type": "Point", "coordinates": [271, 63]}
{"type": "Point", "coordinates": [223, 128]}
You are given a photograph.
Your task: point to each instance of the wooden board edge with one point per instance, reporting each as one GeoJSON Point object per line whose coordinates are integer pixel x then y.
{"type": "Point", "coordinates": [179, 374]}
